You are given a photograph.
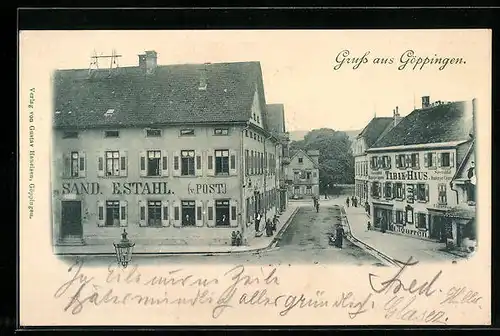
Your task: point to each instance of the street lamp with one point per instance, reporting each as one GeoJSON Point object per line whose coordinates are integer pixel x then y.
{"type": "Point", "coordinates": [124, 250]}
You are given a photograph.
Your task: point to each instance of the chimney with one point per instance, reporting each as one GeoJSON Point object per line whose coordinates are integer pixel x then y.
{"type": "Point", "coordinates": [148, 61]}
{"type": "Point", "coordinates": [425, 101]}
{"type": "Point", "coordinates": [397, 117]}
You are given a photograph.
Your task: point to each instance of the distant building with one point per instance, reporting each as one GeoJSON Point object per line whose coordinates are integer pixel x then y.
{"type": "Point", "coordinates": [303, 174]}
{"type": "Point", "coordinates": [176, 154]}
{"type": "Point", "coordinates": [375, 129]}
{"type": "Point", "coordinates": [412, 165]}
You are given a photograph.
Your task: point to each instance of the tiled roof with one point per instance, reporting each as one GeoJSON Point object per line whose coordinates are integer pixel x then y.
{"type": "Point", "coordinates": [374, 129]}
{"type": "Point", "coordinates": [168, 96]}
{"type": "Point", "coordinates": [276, 117]}
{"type": "Point", "coordinates": [436, 124]}
{"type": "Point", "coordinates": [305, 154]}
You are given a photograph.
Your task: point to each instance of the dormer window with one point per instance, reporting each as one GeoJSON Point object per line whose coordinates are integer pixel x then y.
{"type": "Point", "coordinates": [187, 131]}
{"type": "Point", "coordinates": [111, 134]}
{"type": "Point", "coordinates": [221, 131]}
{"type": "Point", "coordinates": [70, 135]}
{"type": "Point", "coordinates": [153, 133]}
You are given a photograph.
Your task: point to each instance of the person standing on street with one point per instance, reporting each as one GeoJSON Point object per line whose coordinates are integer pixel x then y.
{"type": "Point", "coordinates": [317, 206]}
{"type": "Point", "coordinates": [347, 201]}
{"type": "Point", "coordinates": [257, 222]}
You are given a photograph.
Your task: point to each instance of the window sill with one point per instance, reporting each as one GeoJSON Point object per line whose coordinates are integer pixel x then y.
{"type": "Point", "coordinates": [112, 176]}
{"type": "Point", "coordinates": [420, 201]}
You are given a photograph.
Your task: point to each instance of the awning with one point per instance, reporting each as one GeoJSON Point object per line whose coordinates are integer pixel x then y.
{"type": "Point", "coordinates": [462, 212]}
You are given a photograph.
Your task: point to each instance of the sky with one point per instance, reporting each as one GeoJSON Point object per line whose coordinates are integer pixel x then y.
{"type": "Point", "coordinates": [298, 66]}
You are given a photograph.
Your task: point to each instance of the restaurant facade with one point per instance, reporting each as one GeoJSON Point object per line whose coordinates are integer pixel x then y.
{"type": "Point", "coordinates": [411, 169]}
{"type": "Point", "coordinates": [173, 154]}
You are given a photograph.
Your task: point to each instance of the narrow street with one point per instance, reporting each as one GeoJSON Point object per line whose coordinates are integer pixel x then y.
{"type": "Point", "coordinates": [305, 241]}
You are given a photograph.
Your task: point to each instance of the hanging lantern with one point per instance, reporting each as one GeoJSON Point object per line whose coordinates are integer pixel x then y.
{"type": "Point", "coordinates": [124, 250]}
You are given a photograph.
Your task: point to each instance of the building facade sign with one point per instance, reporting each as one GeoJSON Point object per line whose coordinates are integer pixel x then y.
{"type": "Point", "coordinates": [412, 175]}
{"type": "Point", "coordinates": [117, 188]}
{"type": "Point", "coordinates": [207, 188]}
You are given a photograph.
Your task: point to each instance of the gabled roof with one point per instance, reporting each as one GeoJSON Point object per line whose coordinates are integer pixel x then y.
{"type": "Point", "coordinates": [436, 124]}
{"type": "Point", "coordinates": [276, 118]}
{"type": "Point", "coordinates": [304, 153]}
{"type": "Point", "coordinates": [462, 164]}
{"type": "Point", "coordinates": [374, 129]}
{"type": "Point", "coordinates": [170, 95]}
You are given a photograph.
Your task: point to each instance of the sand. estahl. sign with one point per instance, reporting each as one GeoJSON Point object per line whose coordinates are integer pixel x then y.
{"type": "Point", "coordinates": [117, 188]}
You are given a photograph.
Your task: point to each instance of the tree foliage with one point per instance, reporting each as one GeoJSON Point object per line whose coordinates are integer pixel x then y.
{"type": "Point", "coordinates": [336, 161]}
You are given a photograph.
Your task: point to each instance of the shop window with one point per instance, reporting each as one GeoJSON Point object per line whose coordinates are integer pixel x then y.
{"type": "Point", "coordinates": [222, 212]}
{"type": "Point", "coordinates": [111, 134]}
{"type": "Point", "coordinates": [187, 163]}
{"type": "Point", "coordinates": [188, 213]}
{"type": "Point", "coordinates": [153, 163]}
{"type": "Point", "coordinates": [70, 135]}
{"type": "Point", "coordinates": [187, 131]}
{"type": "Point", "coordinates": [112, 163]}
{"type": "Point", "coordinates": [222, 162]}
{"type": "Point", "coordinates": [422, 192]}
{"type": "Point", "coordinates": [221, 131]}
{"type": "Point", "coordinates": [154, 213]}
{"type": "Point", "coordinates": [442, 193]}
{"type": "Point", "coordinates": [112, 213]}
{"type": "Point", "coordinates": [421, 221]}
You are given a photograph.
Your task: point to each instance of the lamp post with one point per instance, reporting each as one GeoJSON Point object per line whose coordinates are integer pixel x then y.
{"type": "Point", "coordinates": [124, 250]}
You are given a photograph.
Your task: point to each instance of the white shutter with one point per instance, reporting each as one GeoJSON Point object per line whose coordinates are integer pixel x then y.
{"type": "Point", "coordinates": [210, 155]}
{"type": "Point", "coordinates": [165, 214]}
{"type": "Point", "coordinates": [434, 158]}
{"type": "Point", "coordinates": [164, 163]}
{"type": "Point", "coordinates": [100, 164]}
{"type": "Point", "coordinates": [416, 219]}
{"type": "Point", "coordinates": [143, 164]}
{"type": "Point", "coordinates": [394, 217]}
{"type": "Point", "coordinates": [439, 159]}
{"type": "Point", "coordinates": [210, 217]}
{"type": "Point", "coordinates": [143, 213]}
{"type": "Point", "coordinates": [389, 162]}
{"type": "Point", "coordinates": [123, 213]}
{"type": "Point", "coordinates": [233, 213]}
{"type": "Point", "coordinates": [177, 221]}
{"type": "Point", "coordinates": [100, 213]}
{"type": "Point", "coordinates": [198, 161]}
{"type": "Point", "coordinates": [452, 159]}
{"type": "Point", "coordinates": [426, 160]}
{"type": "Point", "coordinates": [233, 162]}
{"type": "Point", "coordinates": [426, 192]}
{"type": "Point", "coordinates": [123, 163]}
{"type": "Point", "coordinates": [176, 160]}
{"type": "Point", "coordinates": [199, 213]}
{"type": "Point", "coordinates": [82, 164]}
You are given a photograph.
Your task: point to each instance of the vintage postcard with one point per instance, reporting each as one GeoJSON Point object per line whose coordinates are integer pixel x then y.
{"type": "Point", "coordinates": [284, 177]}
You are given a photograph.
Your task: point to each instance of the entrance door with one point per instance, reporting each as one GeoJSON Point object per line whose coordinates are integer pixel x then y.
{"type": "Point", "coordinates": [71, 219]}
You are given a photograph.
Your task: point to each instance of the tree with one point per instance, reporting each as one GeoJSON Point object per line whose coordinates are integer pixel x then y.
{"type": "Point", "coordinates": [336, 162]}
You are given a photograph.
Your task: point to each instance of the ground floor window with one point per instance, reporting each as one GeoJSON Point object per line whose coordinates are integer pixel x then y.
{"type": "Point", "coordinates": [222, 212]}
{"type": "Point", "coordinates": [112, 213]}
{"type": "Point", "coordinates": [188, 213]}
{"type": "Point", "coordinates": [296, 189]}
{"type": "Point", "coordinates": [400, 217]}
{"type": "Point", "coordinates": [308, 190]}
{"type": "Point", "coordinates": [154, 213]}
{"type": "Point", "coordinates": [421, 221]}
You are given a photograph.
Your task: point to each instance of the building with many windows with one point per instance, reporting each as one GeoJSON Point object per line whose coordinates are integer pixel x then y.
{"type": "Point", "coordinates": [176, 154]}
{"type": "Point", "coordinates": [412, 165]}
{"type": "Point", "coordinates": [303, 174]}
{"type": "Point", "coordinates": [375, 129]}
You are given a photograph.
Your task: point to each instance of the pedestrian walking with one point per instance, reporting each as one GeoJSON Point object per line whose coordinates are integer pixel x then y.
{"type": "Point", "coordinates": [257, 222]}
{"type": "Point", "coordinates": [317, 206]}
{"type": "Point", "coordinates": [369, 226]}
{"type": "Point", "coordinates": [275, 222]}
{"type": "Point", "coordinates": [367, 207]}
{"type": "Point", "coordinates": [339, 236]}
{"type": "Point", "coordinates": [355, 202]}
{"type": "Point", "coordinates": [269, 227]}
{"type": "Point", "coordinates": [347, 201]}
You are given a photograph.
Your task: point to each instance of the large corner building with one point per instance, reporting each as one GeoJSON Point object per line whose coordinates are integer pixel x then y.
{"type": "Point", "coordinates": [176, 154]}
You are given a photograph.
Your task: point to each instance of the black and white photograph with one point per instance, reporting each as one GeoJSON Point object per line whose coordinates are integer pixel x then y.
{"type": "Point", "coordinates": [303, 153]}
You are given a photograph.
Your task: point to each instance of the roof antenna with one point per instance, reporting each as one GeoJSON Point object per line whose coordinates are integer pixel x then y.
{"type": "Point", "coordinates": [113, 64]}
{"type": "Point", "coordinates": [374, 111]}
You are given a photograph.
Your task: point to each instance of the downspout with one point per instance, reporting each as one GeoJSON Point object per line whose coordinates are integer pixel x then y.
{"type": "Point", "coordinates": [243, 185]}
{"type": "Point", "coordinates": [265, 180]}
{"type": "Point", "coordinates": [451, 182]}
